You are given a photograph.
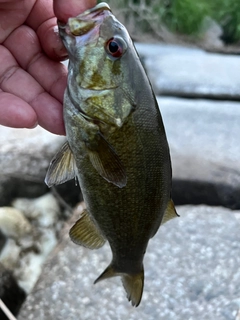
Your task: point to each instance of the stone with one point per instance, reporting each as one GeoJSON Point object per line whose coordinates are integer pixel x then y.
{"type": "Point", "coordinates": [204, 144]}
{"type": "Point", "coordinates": [10, 254]}
{"type": "Point", "coordinates": [45, 210]}
{"type": "Point", "coordinates": [24, 158]}
{"type": "Point", "coordinates": [190, 72]}
{"type": "Point", "coordinates": [33, 148]}
{"type": "Point", "coordinates": [30, 232]}
{"type": "Point", "coordinates": [13, 223]}
{"type": "Point", "coordinates": [25, 155]}
{"type": "Point", "coordinates": [191, 272]}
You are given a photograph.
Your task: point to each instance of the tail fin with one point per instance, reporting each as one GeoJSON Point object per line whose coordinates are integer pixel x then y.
{"type": "Point", "coordinates": [109, 272]}
{"type": "Point", "coordinates": [132, 283]}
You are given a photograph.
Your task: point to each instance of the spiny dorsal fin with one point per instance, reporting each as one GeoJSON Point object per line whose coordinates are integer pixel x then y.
{"type": "Point", "coordinates": [170, 212]}
{"type": "Point", "coordinates": [62, 167]}
{"type": "Point", "coordinates": [107, 163]}
{"type": "Point", "coordinates": [85, 233]}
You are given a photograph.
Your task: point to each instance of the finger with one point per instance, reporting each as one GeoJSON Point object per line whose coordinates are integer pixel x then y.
{"type": "Point", "coordinates": [51, 75]}
{"type": "Point", "coordinates": [43, 21]}
{"type": "Point", "coordinates": [65, 9]}
{"type": "Point", "coordinates": [50, 113]}
{"type": "Point", "coordinates": [12, 15]}
{"type": "Point", "coordinates": [16, 81]}
{"type": "Point", "coordinates": [50, 40]}
{"type": "Point", "coordinates": [16, 113]}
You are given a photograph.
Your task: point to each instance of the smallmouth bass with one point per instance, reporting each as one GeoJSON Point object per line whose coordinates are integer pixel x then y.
{"type": "Point", "coordinates": [117, 146]}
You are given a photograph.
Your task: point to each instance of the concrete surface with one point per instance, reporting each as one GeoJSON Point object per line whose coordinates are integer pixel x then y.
{"type": "Point", "coordinates": [191, 272]}
{"type": "Point", "coordinates": [204, 143]}
{"type": "Point", "coordinates": [180, 71]}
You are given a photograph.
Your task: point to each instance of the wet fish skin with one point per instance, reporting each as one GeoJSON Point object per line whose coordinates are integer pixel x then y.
{"type": "Point", "coordinates": [118, 142]}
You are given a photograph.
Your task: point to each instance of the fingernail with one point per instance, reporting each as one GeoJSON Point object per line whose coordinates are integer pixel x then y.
{"type": "Point", "coordinates": [59, 49]}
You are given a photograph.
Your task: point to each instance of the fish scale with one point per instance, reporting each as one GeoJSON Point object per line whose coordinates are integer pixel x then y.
{"type": "Point", "coordinates": [117, 146]}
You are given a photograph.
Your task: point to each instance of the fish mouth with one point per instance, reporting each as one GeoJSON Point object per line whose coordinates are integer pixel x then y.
{"type": "Point", "coordinates": [98, 8]}
{"type": "Point", "coordinates": [86, 22]}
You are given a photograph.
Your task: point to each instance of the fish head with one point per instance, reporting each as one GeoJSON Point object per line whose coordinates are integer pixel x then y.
{"type": "Point", "coordinates": [83, 31]}
{"type": "Point", "coordinates": [98, 44]}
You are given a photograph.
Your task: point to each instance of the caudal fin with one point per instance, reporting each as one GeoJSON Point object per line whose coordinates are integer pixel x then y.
{"type": "Point", "coordinates": [132, 283]}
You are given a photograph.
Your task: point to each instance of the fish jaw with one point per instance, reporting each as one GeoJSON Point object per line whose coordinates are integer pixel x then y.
{"type": "Point", "coordinates": [84, 28]}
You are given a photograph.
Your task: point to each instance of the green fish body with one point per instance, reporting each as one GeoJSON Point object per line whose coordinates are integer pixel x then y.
{"type": "Point", "coordinates": [117, 145]}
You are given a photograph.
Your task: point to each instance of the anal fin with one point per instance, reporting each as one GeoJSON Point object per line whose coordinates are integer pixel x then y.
{"type": "Point", "coordinates": [85, 233]}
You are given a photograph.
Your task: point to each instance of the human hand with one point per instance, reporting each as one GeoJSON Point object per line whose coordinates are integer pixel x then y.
{"type": "Point", "coordinates": [32, 80]}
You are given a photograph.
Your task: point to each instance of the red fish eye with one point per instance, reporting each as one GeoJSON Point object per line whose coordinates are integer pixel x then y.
{"type": "Point", "coordinates": [114, 47]}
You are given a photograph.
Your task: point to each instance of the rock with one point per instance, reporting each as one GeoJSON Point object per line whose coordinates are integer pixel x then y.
{"type": "Point", "coordinates": [30, 265]}
{"type": "Point", "coordinates": [203, 137]}
{"type": "Point", "coordinates": [149, 50]}
{"type": "Point", "coordinates": [45, 210]}
{"type": "Point", "coordinates": [24, 158]}
{"type": "Point", "coordinates": [13, 223]}
{"type": "Point", "coordinates": [33, 148]}
{"type": "Point", "coordinates": [186, 72]}
{"type": "Point", "coordinates": [191, 272]}
{"type": "Point", "coordinates": [10, 293]}
{"type": "Point", "coordinates": [27, 245]}
{"type": "Point", "coordinates": [10, 254]}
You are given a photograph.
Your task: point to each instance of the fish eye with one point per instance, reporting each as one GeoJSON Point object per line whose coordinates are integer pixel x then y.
{"type": "Point", "coordinates": [115, 47]}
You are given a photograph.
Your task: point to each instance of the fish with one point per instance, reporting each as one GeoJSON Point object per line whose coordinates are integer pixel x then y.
{"type": "Point", "coordinates": [116, 146]}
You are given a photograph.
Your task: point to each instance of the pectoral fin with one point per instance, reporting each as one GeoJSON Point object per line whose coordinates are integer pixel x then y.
{"type": "Point", "coordinates": [62, 167]}
{"type": "Point", "coordinates": [85, 233]}
{"type": "Point", "coordinates": [170, 212]}
{"type": "Point", "coordinates": [107, 163]}
{"type": "Point", "coordinates": [102, 155]}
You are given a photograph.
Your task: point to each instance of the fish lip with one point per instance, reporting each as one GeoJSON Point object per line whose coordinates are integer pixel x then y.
{"type": "Point", "coordinates": [99, 8]}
